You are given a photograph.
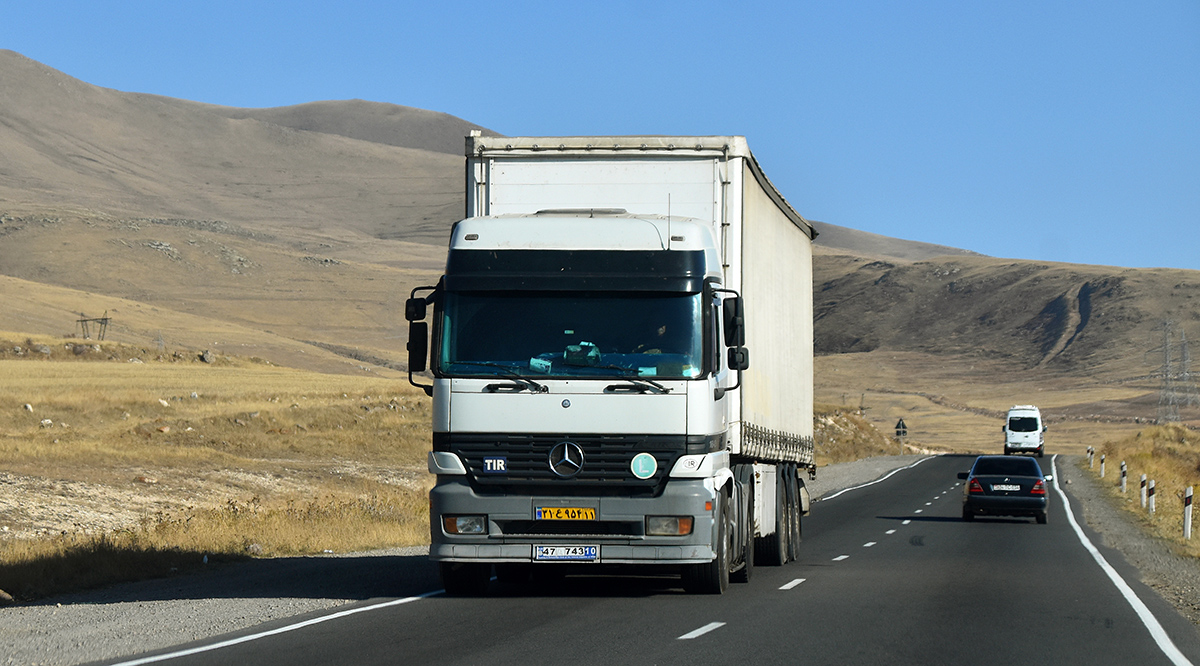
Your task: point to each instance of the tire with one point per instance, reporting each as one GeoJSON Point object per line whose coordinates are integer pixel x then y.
{"type": "Point", "coordinates": [712, 577]}
{"type": "Point", "coordinates": [1041, 518]}
{"type": "Point", "coordinates": [466, 579]}
{"type": "Point", "coordinates": [744, 574]}
{"type": "Point", "coordinates": [967, 515]}
{"type": "Point", "coordinates": [1040, 452]}
{"type": "Point", "coordinates": [793, 514]}
{"type": "Point", "coordinates": [772, 549]}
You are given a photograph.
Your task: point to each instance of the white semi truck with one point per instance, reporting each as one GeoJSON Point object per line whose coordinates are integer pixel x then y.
{"type": "Point", "coordinates": [590, 345]}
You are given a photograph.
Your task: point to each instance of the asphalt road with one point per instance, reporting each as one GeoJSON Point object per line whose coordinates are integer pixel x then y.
{"type": "Point", "coordinates": [888, 574]}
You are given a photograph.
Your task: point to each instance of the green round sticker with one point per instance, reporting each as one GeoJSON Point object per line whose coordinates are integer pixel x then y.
{"type": "Point", "coordinates": [644, 465]}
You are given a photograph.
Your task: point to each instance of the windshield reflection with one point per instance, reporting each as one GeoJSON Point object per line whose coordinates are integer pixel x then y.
{"type": "Point", "coordinates": [571, 334]}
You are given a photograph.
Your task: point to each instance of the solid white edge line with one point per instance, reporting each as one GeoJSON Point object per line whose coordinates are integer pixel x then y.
{"type": "Point", "coordinates": [1156, 631]}
{"type": "Point", "coordinates": [794, 583]}
{"type": "Point", "coordinates": [701, 631]}
{"type": "Point", "coordinates": [274, 632]}
{"type": "Point", "coordinates": [871, 483]}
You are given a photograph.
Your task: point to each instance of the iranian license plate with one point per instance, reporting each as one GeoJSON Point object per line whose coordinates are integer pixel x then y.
{"type": "Point", "coordinates": [566, 553]}
{"type": "Point", "coordinates": [563, 513]}
{"type": "Point", "coordinates": [1005, 486]}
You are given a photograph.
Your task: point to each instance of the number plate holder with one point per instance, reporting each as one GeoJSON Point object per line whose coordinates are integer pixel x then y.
{"type": "Point", "coordinates": [585, 553]}
{"type": "Point", "coordinates": [1005, 487]}
{"type": "Point", "coordinates": [564, 513]}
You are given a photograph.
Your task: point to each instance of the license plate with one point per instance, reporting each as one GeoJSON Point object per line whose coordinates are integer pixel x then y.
{"type": "Point", "coordinates": [1005, 486]}
{"type": "Point", "coordinates": [566, 553]}
{"type": "Point", "coordinates": [563, 513]}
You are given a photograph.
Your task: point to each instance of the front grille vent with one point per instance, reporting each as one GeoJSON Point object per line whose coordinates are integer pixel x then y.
{"type": "Point", "coordinates": [606, 462]}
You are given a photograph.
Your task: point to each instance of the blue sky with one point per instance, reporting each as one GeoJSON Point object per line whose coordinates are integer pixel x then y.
{"type": "Point", "coordinates": [1058, 131]}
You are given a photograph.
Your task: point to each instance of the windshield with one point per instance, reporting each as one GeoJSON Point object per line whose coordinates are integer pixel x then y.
{"type": "Point", "coordinates": [1023, 424]}
{"type": "Point", "coordinates": [1006, 467]}
{"type": "Point", "coordinates": [571, 334]}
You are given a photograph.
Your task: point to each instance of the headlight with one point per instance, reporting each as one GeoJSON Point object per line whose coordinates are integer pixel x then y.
{"type": "Point", "coordinates": [668, 525]}
{"type": "Point", "coordinates": [464, 524]}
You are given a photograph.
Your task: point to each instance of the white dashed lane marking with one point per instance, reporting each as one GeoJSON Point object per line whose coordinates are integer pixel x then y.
{"type": "Point", "coordinates": [890, 532]}
{"type": "Point", "coordinates": [868, 544]}
{"type": "Point", "coordinates": [792, 584]}
{"type": "Point", "coordinates": [701, 631]}
{"type": "Point", "coordinates": [839, 558]}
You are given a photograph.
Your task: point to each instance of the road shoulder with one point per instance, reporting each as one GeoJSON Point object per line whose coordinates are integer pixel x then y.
{"type": "Point", "coordinates": [1176, 578]}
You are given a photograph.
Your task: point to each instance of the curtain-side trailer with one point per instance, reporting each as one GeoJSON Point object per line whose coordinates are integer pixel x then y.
{"type": "Point", "coordinates": [621, 360]}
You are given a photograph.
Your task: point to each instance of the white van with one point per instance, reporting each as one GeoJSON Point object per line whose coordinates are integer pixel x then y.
{"type": "Point", "coordinates": [1024, 431]}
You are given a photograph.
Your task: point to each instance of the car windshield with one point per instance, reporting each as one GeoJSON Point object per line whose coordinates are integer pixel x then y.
{"type": "Point", "coordinates": [1006, 467]}
{"type": "Point", "coordinates": [571, 334]}
{"type": "Point", "coordinates": [1023, 424]}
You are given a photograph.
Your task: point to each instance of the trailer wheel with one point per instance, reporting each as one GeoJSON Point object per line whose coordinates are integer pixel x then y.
{"type": "Point", "coordinates": [793, 486]}
{"type": "Point", "coordinates": [466, 579]}
{"type": "Point", "coordinates": [713, 577]}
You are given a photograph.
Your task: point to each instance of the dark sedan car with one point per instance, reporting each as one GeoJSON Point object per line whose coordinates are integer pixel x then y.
{"type": "Point", "coordinates": [1004, 486]}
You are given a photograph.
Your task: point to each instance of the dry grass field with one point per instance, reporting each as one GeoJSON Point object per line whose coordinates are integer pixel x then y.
{"type": "Point", "coordinates": [120, 463]}
{"type": "Point", "coordinates": [1170, 455]}
{"type": "Point", "coordinates": [959, 404]}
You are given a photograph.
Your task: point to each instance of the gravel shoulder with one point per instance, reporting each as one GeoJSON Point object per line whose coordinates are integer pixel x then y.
{"type": "Point", "coordinates": [154, 615]}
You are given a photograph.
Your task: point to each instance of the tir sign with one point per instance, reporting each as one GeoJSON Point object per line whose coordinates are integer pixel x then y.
{"type": "Point", "coordinates": [498, 465]}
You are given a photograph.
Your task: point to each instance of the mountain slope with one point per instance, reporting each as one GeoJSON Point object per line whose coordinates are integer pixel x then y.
{"type": "Point", "coordinates": [76, 147]}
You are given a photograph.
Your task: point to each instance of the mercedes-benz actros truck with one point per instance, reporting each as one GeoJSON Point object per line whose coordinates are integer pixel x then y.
{"type": "Point", "coordinates": [620, 358]}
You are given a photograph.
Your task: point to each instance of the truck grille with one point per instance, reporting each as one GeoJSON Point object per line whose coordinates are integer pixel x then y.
{"type": "Point", "coordinates": [554, 528]}
{"type": "Point", "coordinates": [606, 462]}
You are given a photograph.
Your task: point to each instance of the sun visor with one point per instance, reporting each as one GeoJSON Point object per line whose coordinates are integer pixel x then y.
{"type": "Point", "coordinates": [575, 270]}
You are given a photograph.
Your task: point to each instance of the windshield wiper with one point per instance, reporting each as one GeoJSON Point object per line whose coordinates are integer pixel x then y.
{"type": "Point", "coordinates": [519, 383]}
{"type": "Point", "coordinates": [639, 384]}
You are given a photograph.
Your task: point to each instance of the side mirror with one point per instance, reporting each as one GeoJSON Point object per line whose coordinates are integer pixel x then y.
{"type": "Point", "coordinates": [963, 475]}
{"type": "Point", "coordinates": [735, 322]}
{"type": "Point", "coordinates": [418, 345]}
{"type": "Point", "coordinates": [1003, 428]}
{"type": "Point", "coordinates": [739, 358]}
{"type": "Point", "coordinates": [1045, 428]}
{"type": "Point", "coordinates": [1049, 478]}
{"type": "Point", "coordinates": [414, 309]}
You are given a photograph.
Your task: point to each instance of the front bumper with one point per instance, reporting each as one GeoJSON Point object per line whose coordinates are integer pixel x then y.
{"type": "Point", "coordinates": [618, 530]}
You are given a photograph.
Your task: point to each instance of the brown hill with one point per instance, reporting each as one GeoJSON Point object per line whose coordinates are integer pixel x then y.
{"type": "Point", "coordinates": [304, 227]}
{"type": "Point", "coordinates": [832, 239]}
{"type": "Point", "coordinates": [333, 168]}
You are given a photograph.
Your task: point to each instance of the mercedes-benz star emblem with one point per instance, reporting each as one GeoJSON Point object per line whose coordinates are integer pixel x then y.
{"type": "Point", "coordinates": [566, 459]}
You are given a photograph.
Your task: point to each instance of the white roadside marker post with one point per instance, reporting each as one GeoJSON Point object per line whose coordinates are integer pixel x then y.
{"type": "Point", "coordinates": [1123, 475]}
{"type": "Point", "coordinates": [1143, 491]}
{"type": "Point", "coordinates": [1091, 457]}
{"type": "Point", "coordinates": [1151, 497]}
{"type": "Point", "coordinates": [1102, 465]}
{"type": "Point", "coordinates": [1187, 513]}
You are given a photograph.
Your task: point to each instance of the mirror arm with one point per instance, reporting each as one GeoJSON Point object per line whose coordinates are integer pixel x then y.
{"type": "Point", "coordinates": [414, 312]}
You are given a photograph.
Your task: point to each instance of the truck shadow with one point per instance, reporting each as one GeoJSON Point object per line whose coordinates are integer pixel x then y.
{"type": "Point", "coordinates": [357, 577]}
